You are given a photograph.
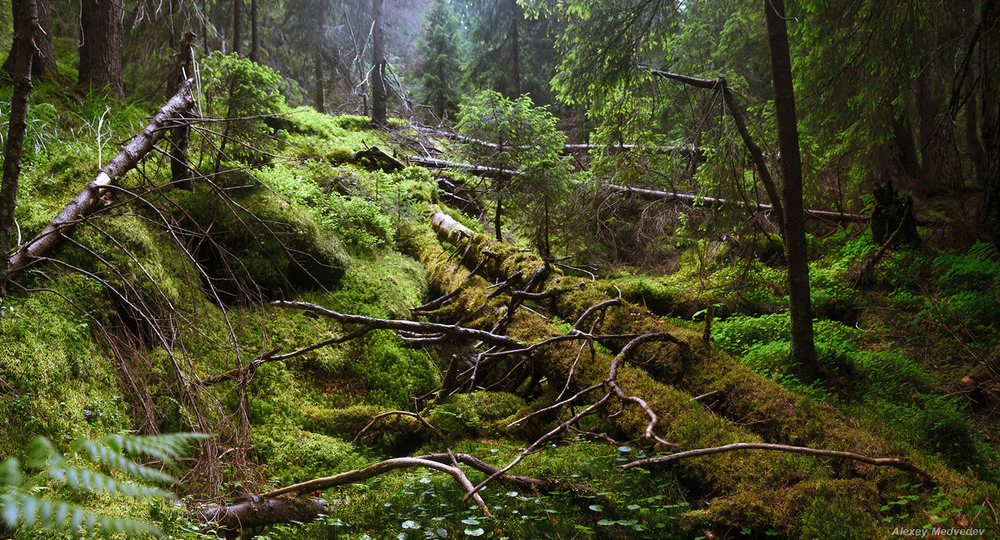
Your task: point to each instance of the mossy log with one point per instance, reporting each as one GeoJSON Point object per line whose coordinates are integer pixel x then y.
{"type": "Point", "coordinates": [747, 490]}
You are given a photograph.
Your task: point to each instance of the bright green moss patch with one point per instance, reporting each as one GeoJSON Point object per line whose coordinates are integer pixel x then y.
{"type": "Point", "coordinates": [297, 455]}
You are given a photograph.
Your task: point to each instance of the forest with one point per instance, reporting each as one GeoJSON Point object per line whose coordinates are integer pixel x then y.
{"type": "Point", "coordinates": [508, 269]}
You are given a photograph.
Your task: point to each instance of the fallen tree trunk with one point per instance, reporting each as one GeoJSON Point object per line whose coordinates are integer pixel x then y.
{"type": "Point", "coordinates": [257, 512]}
{"type": "Point", "coordinates": [691, 152]}
{"type": "Point", "coordinates": [86, 202]}
{"type": "Point", "coordinates": [658, 195]}
{"type": "Point", "coordinates": [478, 170]}
{"type": "Point", "coordinates": [666, 376]}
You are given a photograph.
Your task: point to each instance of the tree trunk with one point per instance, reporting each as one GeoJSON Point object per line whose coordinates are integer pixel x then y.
{"type": "Point", "coordinates": [515, 38]}
{"type": "Point", "coordinates": [379, 107]}
{"type": "Point", "coordinates": [973, 144]}
{"type": "Point", "coordinates": [180, 173]}
{"type": "Point", "coordinates": [237, 26]}
{"type": "Point", "coordinates": [254, 32]}
{"type": "Point", "coordinates": [17, 125]}
{"type": "Point", "coordinates": [990, 71]}
{"type": "Point", "coordinates": [666, 375]}
{"type": "Point", "coordinates": [906, 146]}
{"type": "Point", "coordinates": [319, 95]}
{"type": "Point", "coordinates": [796, 254]}
{"type": "Point", "coordinates": [44, 62]}
{"type": "Point", "coordinates": [101, 51]}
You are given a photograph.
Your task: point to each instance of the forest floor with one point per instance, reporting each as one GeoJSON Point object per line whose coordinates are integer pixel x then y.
{"type": "Point", "coordinates": [100, 339]}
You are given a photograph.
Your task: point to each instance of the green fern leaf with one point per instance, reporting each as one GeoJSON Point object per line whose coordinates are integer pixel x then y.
{"type": "Point", "coordinates": [163, 447]}
{"type": "Point", "coordinates": [82, 479]}
{"type": "Point", "coordinates": [105, 455]}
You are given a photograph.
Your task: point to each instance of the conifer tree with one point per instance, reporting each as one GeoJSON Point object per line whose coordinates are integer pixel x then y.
{"type": "Point", "coordinates": [440, 52]}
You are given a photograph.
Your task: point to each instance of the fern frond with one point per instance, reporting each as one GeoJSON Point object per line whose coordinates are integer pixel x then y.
{"type": "Point", "coordinates": [108, 456]}
{"type": "Point", "coordinates": [10, 473]}
{"type": "Point", "coordinates": [83, 479]}
{"type": "Point", "coordinates": [18, 508]}
{"type": "Point", "coordinates": [164, 447]}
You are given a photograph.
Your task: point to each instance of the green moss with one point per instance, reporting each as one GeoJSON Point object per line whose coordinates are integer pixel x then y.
{"type": "Point", "coordinates": [265, 246]}
{"type": "Point", "coordinates": [475, 414]}
{"type": "Point", "coordinates": [298, 455]}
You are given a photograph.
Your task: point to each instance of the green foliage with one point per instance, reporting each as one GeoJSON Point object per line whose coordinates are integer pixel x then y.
{"type": "Point", "coordinates": [353, 122]}
{"type": "Point", "coordinates": [525, 139]}
{"type": "Point", "coordinates": [20, 506]}
{"type": "Point", "coordinates": [298, 455]}
{"type": "Point", "coordinates": [392, 373]}
{"type": "Point", "coordinates": [268, 245]}
{"type": "Point", "coordinates": [475, 414]}
{"type": "Point", "coordinates": [969, 285]}
{"type": "Point", "coordinates": [361, 223]}
{"type": "Point", "coordinates": [440, 58]}
{"type": "Point", "coordinates": [241, 91]}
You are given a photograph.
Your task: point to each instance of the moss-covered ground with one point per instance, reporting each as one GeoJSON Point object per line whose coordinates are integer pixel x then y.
{"type": "Point", "coordinates": [165, 287]}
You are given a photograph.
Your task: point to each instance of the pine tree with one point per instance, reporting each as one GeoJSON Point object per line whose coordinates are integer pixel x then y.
{"type": "Point", "coordinates": [440, 52]}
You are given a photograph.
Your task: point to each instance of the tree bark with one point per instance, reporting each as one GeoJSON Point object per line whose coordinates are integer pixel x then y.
{"type": "Point", "coordinates": [796, 253]}
{"type": "Point", "coordinates": [515, 38]}
{"type": "Point", "coordinates": [44, 62]}
{"type": "Point", "coordinates": [17, 125]}
{"type": "Point", "coordinates": [319, 95]}
{"type": "Point", "coordinates": [261, 511]}
{"type": "Point", "coordinates": [237, 26]}
{"type": "Point", "coordinates": [989, 56]}
{"type": "Point", "coordinates": [87, 200]}
{"type": "Point", "coordinates": [379, 94]}
{"type": "Point", "coordinates": [254, 32]}
{"type": "Point", "coordinates": [101, 52]}
{"type": "Point", "coordinates": [180, 173]}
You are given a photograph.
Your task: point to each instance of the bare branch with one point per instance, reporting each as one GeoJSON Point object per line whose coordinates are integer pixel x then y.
{"type": "Point", "coordinates": [897, 463]}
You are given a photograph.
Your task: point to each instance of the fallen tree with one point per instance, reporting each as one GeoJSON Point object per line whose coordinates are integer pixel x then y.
{"type": "Point", "coordinates": [86, 202]}
{"type": "Point", "coordinates": [644, 386]}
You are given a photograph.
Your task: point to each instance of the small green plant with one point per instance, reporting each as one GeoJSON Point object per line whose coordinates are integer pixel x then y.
{"type": "Point", "coordinates": [523, 138]}
{"type": "Point", "coordinates": [107, 460]}
{"type": "Point", "coordinates": [243, 93]}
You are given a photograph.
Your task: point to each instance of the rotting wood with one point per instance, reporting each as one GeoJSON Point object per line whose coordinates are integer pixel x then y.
{"type": "Point", "coordinates": [87, 201]}
{"type": "Point", "coordinates": [695, 371]}
{"type": "Point", "coordinates": [229, 521]}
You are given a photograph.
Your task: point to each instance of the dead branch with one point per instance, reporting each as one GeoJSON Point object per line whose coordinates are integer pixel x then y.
{"type": "Point", "coordinates": [86, 201]}
{"type": "Point", "coordinates": [395, 413]}
{"type": "Point", "coordinates": [380, 468]}
{"type": "Point", "coordinates": [419, 328]}
{"type": "Point", "coordinates": [901, 464]}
